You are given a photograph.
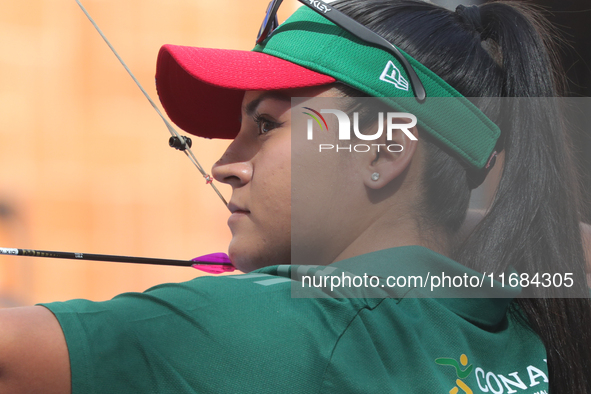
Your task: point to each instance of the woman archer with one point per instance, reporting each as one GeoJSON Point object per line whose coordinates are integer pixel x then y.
{"type": "Point", "coordinates": [246, 333]}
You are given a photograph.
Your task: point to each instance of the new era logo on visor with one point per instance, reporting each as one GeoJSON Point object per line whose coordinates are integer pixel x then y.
{"type": "Point", "coordinates": [392, 74]}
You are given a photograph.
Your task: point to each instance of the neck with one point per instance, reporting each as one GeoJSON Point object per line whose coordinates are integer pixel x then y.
{"type": "Point", "coordinates": [390, 231]}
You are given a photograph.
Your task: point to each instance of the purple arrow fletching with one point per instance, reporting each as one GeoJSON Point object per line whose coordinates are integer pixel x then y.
{"type": "Point", "coordinates": [214, 263]}
{"type": "Point", "coordinates": [217, 258]}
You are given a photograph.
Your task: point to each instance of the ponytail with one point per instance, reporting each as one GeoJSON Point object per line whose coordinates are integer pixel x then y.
{"type": "Point", "coordinates": [534, 219]}
{"type": "Point", "coordinates": [502, 49]}
{"type": "Point", "coordinates": [531, 153]}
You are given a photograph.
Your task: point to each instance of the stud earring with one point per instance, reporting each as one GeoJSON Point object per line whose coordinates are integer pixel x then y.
{"type": "Point", "coordinates": [375, 176]}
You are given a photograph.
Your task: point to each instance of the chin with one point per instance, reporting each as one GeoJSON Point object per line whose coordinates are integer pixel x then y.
{"type": "Point", "coordinates": [247, 262]}
{"type": "Point", "coordinates": [247, 258]}
{"type": "Point", "coordinates": [243, 260]}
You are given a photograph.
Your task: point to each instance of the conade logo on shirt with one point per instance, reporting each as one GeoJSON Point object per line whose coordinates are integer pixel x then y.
{"type": "Point", "coordinates": [495, 383]}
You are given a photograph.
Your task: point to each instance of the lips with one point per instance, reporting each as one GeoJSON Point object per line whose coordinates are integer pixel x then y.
{"type": "Point", "coordinates": [239, 213]}
{"type": "Point", "coordinates": [234, 208]}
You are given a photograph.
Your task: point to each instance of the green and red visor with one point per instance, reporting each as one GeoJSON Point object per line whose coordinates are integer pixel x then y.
{"type": "Point", "coordinates": [201, 89]}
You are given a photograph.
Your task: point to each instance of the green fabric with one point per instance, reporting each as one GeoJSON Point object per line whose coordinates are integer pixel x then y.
{"type": "Point", "coordinates": [314, 42]}
{"type": "Point", "coordinates": [247, 334]}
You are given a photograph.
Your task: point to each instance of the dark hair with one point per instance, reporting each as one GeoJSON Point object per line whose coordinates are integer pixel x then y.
{"type": "Point", "coordinates": [501, 49]}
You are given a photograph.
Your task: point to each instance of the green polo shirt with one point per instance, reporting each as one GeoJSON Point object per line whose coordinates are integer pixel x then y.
{"type": "Point", "coordinates": [248, 334]}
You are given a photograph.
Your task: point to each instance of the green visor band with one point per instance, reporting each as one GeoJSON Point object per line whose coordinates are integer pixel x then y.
{"type": "Point", "coordinates": [313, 42]}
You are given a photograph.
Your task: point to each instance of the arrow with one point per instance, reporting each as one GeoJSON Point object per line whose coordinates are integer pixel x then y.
{"type": "Point", "coordinates": [214, 263]}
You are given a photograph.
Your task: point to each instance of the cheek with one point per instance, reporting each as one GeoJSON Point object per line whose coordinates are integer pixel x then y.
{"type": "Point", "coordinates": [324, 184]}
{"type": "Point", "coordinates": [276, 186]}
{"type": "Point", "coordinates": [272, 178]}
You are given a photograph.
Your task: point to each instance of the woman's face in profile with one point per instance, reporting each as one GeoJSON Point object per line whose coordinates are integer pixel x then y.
{"type": "Point", "coordinates": [257, 165]}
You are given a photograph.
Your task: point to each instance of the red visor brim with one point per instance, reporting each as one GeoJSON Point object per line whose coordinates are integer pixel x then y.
{"type": "Point", "coordinates": [201, 89]}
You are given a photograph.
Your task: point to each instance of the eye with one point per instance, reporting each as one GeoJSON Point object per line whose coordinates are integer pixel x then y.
{"type": "Point", "coordinates": [264, 124]}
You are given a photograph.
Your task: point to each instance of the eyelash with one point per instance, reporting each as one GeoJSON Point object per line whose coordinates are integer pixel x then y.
{"type": "Point", "coordinates": [262, 119]}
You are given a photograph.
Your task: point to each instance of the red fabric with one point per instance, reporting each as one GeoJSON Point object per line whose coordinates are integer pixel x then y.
{"type": "Point", "coordinates": [201, 89]}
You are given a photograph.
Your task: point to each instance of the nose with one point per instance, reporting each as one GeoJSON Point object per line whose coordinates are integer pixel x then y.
{"type": "Point", "coordinates": [232, 169]}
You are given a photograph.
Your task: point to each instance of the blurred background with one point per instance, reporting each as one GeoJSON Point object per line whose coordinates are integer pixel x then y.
{"type": "Point", "coordinates": [84, 160]}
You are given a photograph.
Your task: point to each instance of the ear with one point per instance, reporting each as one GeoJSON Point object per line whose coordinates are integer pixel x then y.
{"type": "Point", "coordinates": [390, 158]}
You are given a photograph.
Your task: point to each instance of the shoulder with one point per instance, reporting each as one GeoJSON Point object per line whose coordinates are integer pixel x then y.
{"type": "Point", "coordinates": [242, 305]}
{"type": "Point", "coordinates": [187, 333]}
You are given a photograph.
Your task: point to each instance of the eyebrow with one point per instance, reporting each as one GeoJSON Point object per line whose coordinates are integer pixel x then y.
{"type": "Point", "coordinates": [251, 107]}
